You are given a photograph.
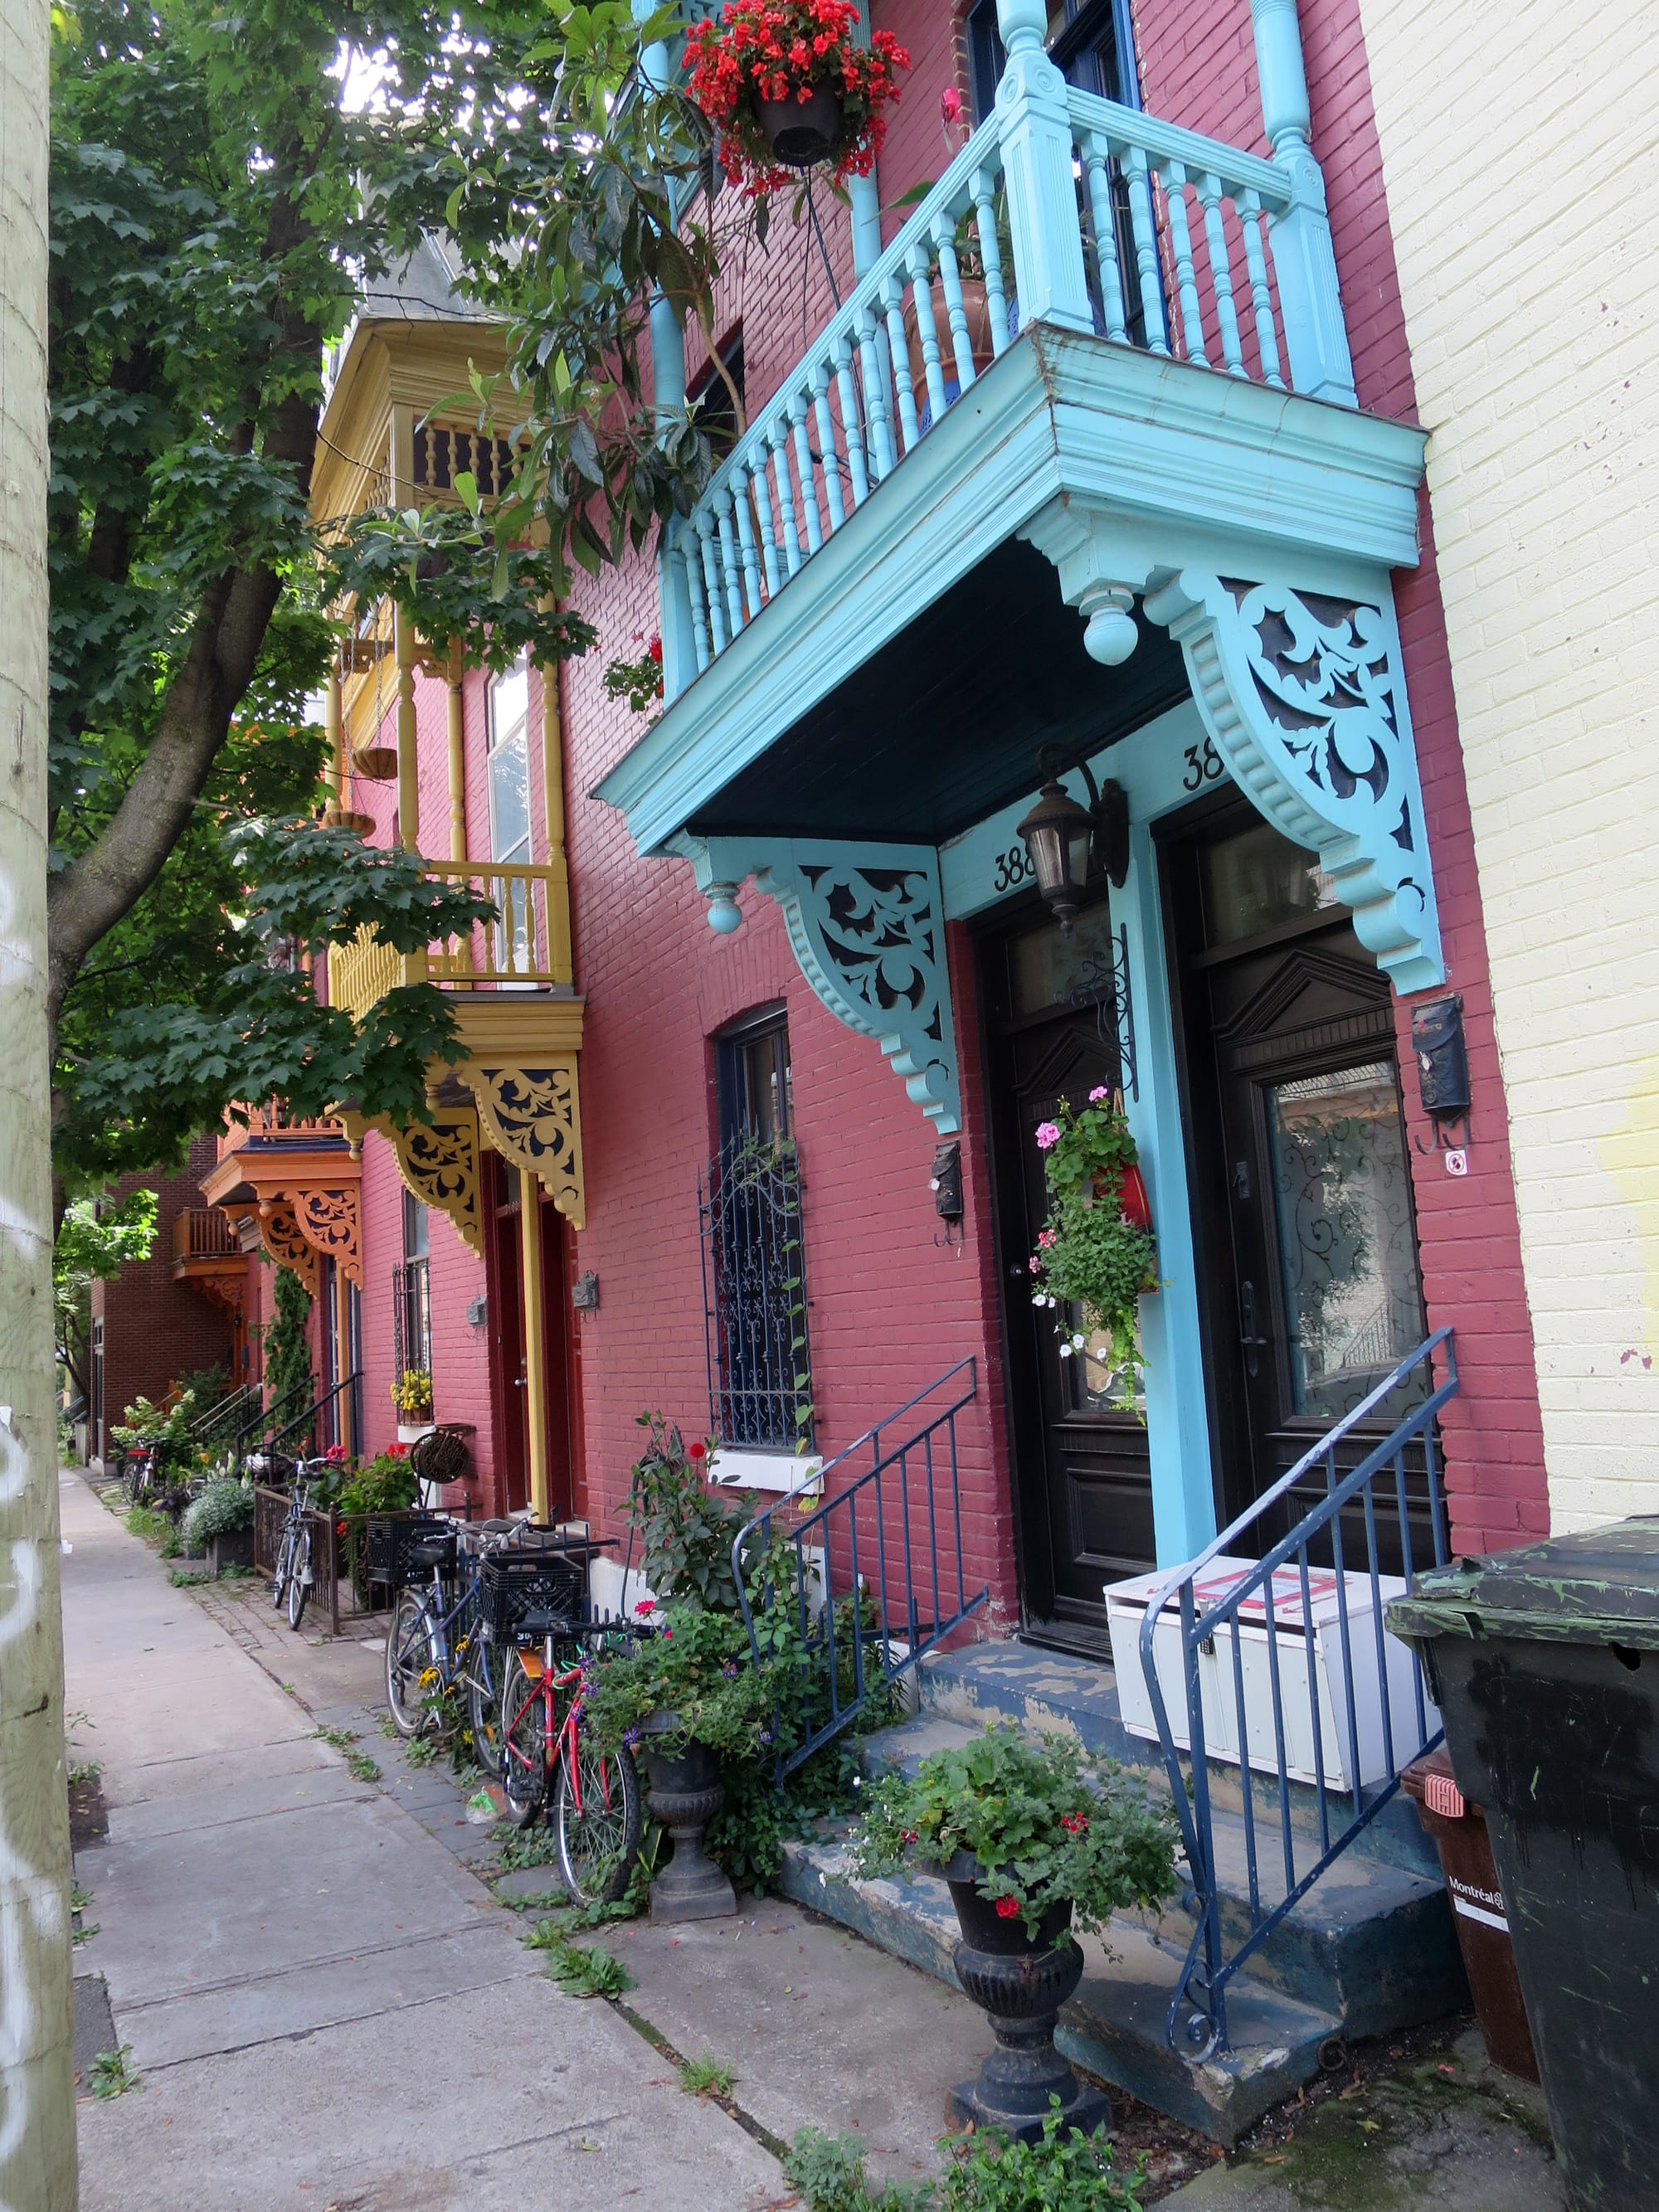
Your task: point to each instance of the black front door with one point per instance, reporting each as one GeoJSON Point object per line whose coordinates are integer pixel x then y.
{"type": "Point", "coordinates": [1297, 1151]}
{"type": "Point", "coordinates": [1082, 1471]}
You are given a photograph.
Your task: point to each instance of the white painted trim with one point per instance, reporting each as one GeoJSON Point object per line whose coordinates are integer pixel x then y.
{"type": "Point", "coordinates": [766, 1470]}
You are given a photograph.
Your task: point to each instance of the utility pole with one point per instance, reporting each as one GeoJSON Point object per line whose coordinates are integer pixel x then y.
{"type": "Point", "coordinates": [37, 2083]}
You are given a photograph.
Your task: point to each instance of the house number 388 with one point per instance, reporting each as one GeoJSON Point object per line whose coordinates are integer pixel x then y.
{"type": "Point", "coordinates": [1202, 766]}
{"type": "Point", "coordinates": [1013, 867]}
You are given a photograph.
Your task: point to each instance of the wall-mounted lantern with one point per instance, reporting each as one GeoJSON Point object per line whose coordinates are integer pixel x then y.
{"type": "Point", "coordinates": [1070, 845]}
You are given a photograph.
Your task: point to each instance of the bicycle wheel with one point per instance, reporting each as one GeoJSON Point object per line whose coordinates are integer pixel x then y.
{"type": "Point", "coordinates": [299, 1577]}
{"type": "Point", "coordinates": [599, 1839]}
{"type": "Point", "coordinates": [408, 1656]}
{"type": "Point", "coordinates": [524, 1745]}
{"type": "Point", "coordinates": [284, 1568]}
{"type": "Point", "coordinates": [483, 1706]}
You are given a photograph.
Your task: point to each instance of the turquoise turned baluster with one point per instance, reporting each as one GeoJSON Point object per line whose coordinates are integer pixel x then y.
{"type": "Point", "coordinates": [1304, 259]}
{"type": "Point", "coordinates": [829, 459]}
{"type": "Point", "coordinates": [857, 468]}
{"type": "Point", "coordinates": [780, 439]}
{"type": "Point", "coordinates": [1097, 155]}
{"type": "Point", "coordinates": [1140, 219]}
{"type": "Point", "coordinates": [882, 453]}
{"type": "Point", "coordinates": [712, 562]}
{"type": "Point", "coordinates": [729, 560]}
{"type": "Point", "coordinates": [909, 422]}
{"type": "Point", "coordinates": [1261, 300]}
{"type": "Point", "coordinates": [1192, 313]}
{"type": "Point", "coordinates": [804, 469]}
{"type": "Point", "coordinates": [956, 311]}
{"type": "Point", "coordinates": [982, 191]}
{"type": "Point", "coordinates": [761, 482]}
{"type": "Point", "coordinates": [741, 493]}
{"type": "Point", "coordinates": [921, 294]}
{"type": "Point", "coordinates": [1221, 273]}
{"type": "Point", "coordinates": [693, 555]}
{"type": "Point", "coordinates": [1035, 125]}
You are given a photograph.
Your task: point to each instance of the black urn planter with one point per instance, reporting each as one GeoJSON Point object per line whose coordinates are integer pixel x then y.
{"type": "Point", "coordinates": [685, 1792]}
{"type": "Point", "coordinates": [802, 132]}
{"type": "Point", "coordinates": [1021, 1981]}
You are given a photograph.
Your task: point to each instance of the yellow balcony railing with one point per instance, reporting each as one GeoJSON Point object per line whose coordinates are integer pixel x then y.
{"type": "Point", "coordinates": [525, 948]}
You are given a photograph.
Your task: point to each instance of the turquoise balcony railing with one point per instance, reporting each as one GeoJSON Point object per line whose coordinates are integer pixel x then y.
{"type": "Point", "coordinates": [1063, 209]}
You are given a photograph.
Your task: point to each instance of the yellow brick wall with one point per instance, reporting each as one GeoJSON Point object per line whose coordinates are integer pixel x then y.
{"type": "Point", "coordinates": [1521, 155]}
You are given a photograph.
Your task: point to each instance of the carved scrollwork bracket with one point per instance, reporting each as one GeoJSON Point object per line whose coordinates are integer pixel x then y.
{"type": "Point", "coordinates": [327, 1216]}
{"type": "Point", "coordinates": [1305, 698]}
{"type": "Point", "coordinates": [532, 1117]}
{"type": "Point", "coordinates": [866, 924]}
{"type": "Point", "coordinates": [280, 1235]}
{"type": "Point", "coordinates": [438, 1162]}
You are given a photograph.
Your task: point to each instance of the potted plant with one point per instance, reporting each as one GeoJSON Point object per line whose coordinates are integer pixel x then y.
{"type": "Point", "coordinates": [788, 87]}
{"type": "Point", "coordinates": [412, 1395]}
{"type": "Point", "coordinates": [685, 1697]}
{"type": "Point", "coordinates": [1096, 1250]}
{"type": "Point", "coordinates": [221, 1523]}
{"type": "Point", "coordinates": [1032, 1839]}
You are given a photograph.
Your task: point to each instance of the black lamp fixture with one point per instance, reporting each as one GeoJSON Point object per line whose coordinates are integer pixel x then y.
{"type": "Point", "coordinates": [1070, 845]}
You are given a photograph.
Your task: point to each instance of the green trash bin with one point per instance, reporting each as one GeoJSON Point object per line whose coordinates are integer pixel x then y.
{"type": "Point", "coordinates": [1545, 1664]}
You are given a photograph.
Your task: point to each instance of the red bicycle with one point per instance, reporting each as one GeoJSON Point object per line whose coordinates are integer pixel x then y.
{"type": "Point", "coordinates": [596, 1794]}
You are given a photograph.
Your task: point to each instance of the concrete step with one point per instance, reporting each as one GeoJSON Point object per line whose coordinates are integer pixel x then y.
{"type": "Point", "coordinates": [1370, 1944]}
{"type": "Point", "coordinates": [1117, 2024]}
{"type": "Point", "coordinates": [1046, 1690]}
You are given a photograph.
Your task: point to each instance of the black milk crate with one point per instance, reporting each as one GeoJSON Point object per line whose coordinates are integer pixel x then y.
{"type": "Point", "coordinates": [389, 1547]}
{"type": "Point", "coordinates": [515, 1582]}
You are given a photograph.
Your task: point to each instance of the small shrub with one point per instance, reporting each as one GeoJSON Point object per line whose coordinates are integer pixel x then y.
{"type": "Point", "coordinates": [581, 1970]}
{"type": "Point", "coordinates": [110, 2076]}
{"type": "Point", "coordinates": [154, 1528]}
{"type": "Point", "coordinates": [1064, 2171]}
{"type": "Point", "coordinates": [706, 2076]}
{"type": "Point", "coordinates": [224, 1506]}
{"type": "Point", "coordinates": [363, 1767]}
{"type": "Point", "coordinates": [827, 2173]}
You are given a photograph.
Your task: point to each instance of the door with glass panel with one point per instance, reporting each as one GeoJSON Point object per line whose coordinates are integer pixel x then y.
{"type": "Point", "coordinates": [1298, 1154]}
{"type": "Point", "coordinates": [509, 816]}
{"type": "Point", "coordinates": [1082, 1471]}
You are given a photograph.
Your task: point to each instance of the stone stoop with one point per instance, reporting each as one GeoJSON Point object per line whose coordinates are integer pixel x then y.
{"type": "Point", "coordinates": [1369, 1950]}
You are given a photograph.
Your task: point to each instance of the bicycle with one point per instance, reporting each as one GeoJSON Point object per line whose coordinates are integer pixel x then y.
{"type": "Point", "coordinates": [431, 1639]}
{"type": "Point", "coordinates": [597, 1816]}
{"type": "Point", "coordinates": [291, 1581]}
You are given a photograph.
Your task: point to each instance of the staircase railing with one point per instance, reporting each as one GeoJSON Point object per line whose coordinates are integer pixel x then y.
{"type": "Point", "coordinates": [261, 1425]}
{"type": "Point", "coordinates": [229, 1413]}
{"type": "Point", "coordinates": [1334, 1681]}
{"type": "Point", "coordinates": [310, 1425]}
{"type": "Point", "coordinates": [879, 1576]}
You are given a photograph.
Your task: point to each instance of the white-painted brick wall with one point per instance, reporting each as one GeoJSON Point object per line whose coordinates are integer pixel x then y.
{"type": "Point", "coordinates": [1521, 156]}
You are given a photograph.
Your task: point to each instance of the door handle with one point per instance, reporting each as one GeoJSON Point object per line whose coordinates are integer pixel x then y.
{"type": "Point", "coordinates": [1248, 1328]}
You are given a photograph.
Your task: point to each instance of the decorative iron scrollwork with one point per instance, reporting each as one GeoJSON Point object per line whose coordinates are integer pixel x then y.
{"type": "Point", "coordinates": [1103, 987]}
{"type": "Point", "coordinates": [1304, 698]}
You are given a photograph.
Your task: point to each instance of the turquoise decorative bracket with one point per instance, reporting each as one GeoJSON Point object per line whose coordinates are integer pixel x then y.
{"type": "Point", "coordinates": [866, 923]}
{"type": "Point", "coordinates": [1305, 698]}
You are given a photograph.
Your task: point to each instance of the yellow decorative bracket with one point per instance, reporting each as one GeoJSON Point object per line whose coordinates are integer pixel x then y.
{"type": "Point", "coordinates": [532, 1117]}
{"type": "Point", "coordinates": [437, 1160]}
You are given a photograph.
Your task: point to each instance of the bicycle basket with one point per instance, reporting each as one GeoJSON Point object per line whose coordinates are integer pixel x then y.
{"type": "Point", "coordinates": [395, 1552]}
{"type": "Point", "coordinates": [513, 1584]}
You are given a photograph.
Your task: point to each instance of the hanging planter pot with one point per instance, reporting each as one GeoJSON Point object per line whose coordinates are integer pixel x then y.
{"type": "Point", "coordinates": [378, 762]}
{"type": "Point", "coordinates": [803, 130]}
{"type": "Point", "coordinates": [340, 817]}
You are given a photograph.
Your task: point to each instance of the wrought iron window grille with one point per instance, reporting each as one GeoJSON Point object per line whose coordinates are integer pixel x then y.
{"type": "Point", "coordinates": [411, 1316]}
{"type": "Point", "coordinates": [760, 1390]}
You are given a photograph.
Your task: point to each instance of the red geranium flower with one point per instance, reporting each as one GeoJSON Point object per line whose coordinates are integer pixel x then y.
{"type": "Point", "coordinates": [1075, 1824]}
{"type": "Point", "coordinates": [1008, 1907]}
{"type": "Point", "coordinates": [697, 1454]}
{"type": "Point", "coordinates": [646, 1604]}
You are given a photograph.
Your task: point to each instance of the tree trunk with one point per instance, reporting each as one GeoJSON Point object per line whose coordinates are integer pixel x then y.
{"type": "Point", "coordinates": [37, 2088]}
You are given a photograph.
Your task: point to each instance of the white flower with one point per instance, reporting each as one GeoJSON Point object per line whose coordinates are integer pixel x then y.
{"type": "Point", "coordinates": [1079, 1342]}
{"type": "Point", "coordinates": [1065, 1350]}
{"type": "Point", "coordinates": [1039, 1300]}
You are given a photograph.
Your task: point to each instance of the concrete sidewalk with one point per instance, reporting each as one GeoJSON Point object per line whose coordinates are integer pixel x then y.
{"type": "Point", "coordinates": [324, 2006]}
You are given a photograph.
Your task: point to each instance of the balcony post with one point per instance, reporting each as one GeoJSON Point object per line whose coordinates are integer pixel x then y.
{"type": "Point", "coordinates": [334, 731]}
{"type": "Point", "coordinates": [679, 659]}
{"type": "Point", "coordinates": [457, 756]}
{"type": "Point", "coordinates": [864, 194]}
{"type": "Point", "coordinates": [560, 961]}
{"type": "Point", "coordinates": [1304, 257]}
{"type": "Point", "coordinates": [1036, 156]}
{"type": "Point", "coordinates": [535, 1343]}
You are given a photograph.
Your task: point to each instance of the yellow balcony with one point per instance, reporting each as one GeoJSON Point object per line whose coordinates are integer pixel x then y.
{"type": "Point", "coordinates": [526, 947]}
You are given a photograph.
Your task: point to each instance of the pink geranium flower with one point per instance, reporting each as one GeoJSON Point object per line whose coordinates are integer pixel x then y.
{"type": "Point", "coordinates": [1099, 1095]}
{"type": "Point", "coordinates": [1048, 1136]}
{"type": "Point", "coordinates": [646, 1604]}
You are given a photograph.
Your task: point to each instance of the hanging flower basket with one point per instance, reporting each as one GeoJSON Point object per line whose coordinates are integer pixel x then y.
{"type": "Point", "coordinates": [787, 88]}
{"type": "Point", "coordinates": [1096, 1250]}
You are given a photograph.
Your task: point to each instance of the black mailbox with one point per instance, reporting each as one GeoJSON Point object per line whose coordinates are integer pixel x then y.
{"type": "Point", "coordinates": [1443, 1064]}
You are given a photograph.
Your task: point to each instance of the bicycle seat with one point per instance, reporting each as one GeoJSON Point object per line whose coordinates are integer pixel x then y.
{"type": "Point", "coordinates": [536, 1626]}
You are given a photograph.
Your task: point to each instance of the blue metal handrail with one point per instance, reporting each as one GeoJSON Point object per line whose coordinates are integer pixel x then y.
{"type": "Point", "coordinates": [885, 1486]}
{"type": "Point", "coordinates": [1200, 1992]}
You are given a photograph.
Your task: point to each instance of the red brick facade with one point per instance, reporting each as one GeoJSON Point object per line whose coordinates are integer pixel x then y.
{"type": "Point", "coordinates": [892, 1303]}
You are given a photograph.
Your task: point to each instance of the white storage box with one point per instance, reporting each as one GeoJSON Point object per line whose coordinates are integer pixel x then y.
{"type": "Point", "coordinates": [1311, 1662]}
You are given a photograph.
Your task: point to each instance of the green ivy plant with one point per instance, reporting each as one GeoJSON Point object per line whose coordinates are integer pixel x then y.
{"type": "Point", "coordinates": [288, 1354]}
{"type": "Point", "coordinates": [1087, 1254]}
{"type": "Point", "coordinates": [1046, 1822]}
